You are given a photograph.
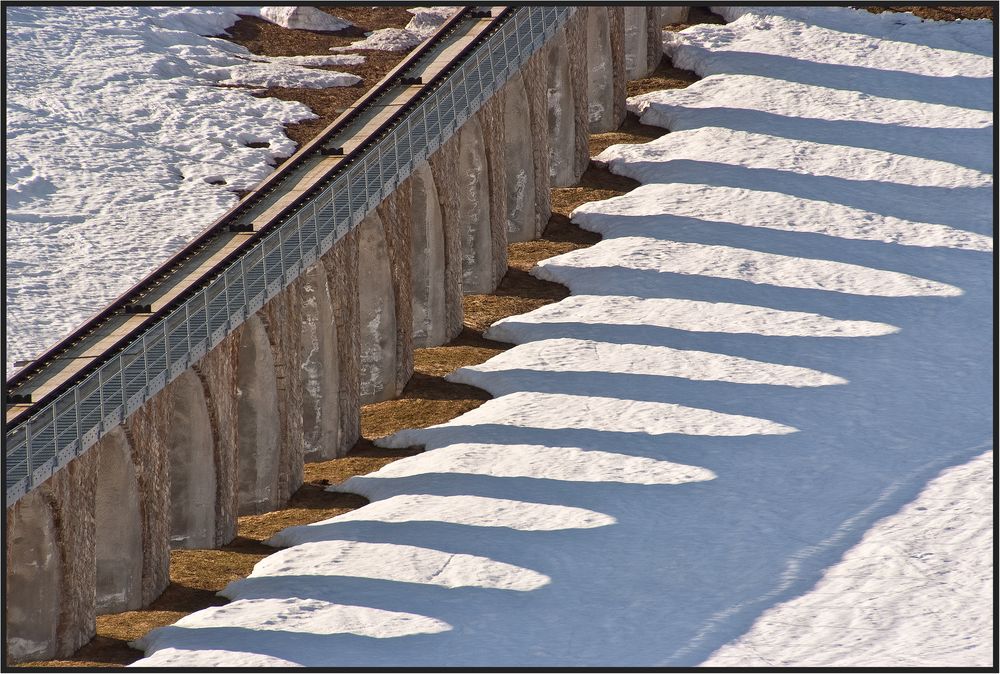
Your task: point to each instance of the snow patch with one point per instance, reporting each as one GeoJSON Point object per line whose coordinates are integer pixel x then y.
{"type": "Point", "coordinates": [424, 22]}
{"type": "Point", "coordinates": [303, 18]}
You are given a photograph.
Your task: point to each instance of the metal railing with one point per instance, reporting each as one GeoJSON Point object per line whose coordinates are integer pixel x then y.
{"type": "Point", "coordinates": [64, 428]}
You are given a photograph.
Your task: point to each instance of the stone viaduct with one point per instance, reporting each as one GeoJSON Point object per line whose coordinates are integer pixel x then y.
{"type": "Point", "coordinates": [230, 435]}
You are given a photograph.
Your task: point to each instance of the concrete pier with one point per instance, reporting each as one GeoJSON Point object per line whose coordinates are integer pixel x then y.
{"type": "Point", "coordinates": [473, 190]}
{"type": "Point", "coordinates": [427, 252]}
{"type": "Point", "coordinates": [576, 52]}
{"type": "Point", "coordinates": [320, 368]}
{"type": "Point", "coordinates": [34, 578]}
{"type": "Point", "coordinates": [378, 314]}
{"type": "Point", "coordinates": [636, 44]}
{"type": "Point", "coordinates": [396, 213]}
{"type": "Point", "coordinates": [520, 165]}
{"type": "Point", "coordinates": [600, 72]}
{"type": "Point", "coordinates": [444, 167]}
{"type": "Point", "coordinates": [561, 117]}
{"type": "Point", "coordinates": [193, 478]}
{"type": "Point", "coordinates": [257, 415]}
{"type": "Point", "coordinates": [616, 19]}
{"type": "Point", "coordinates": [654, 39]}
{"type": "Point", "coordinates": [51, 567]}
{"type": "Point", "coordinates": [535, 80]}
{"type": "Point", "coordinates": [119, 527]}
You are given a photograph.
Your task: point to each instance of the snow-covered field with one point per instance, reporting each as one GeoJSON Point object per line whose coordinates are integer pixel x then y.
{"type": "Point", "coordinates": [758, 432]}
{"type": "Point", "coordinates": [116, 133]}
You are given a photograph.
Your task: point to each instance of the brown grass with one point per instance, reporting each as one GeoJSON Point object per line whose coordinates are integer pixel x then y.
{"type": "Point", "coordinates": [937, 12]}
{"type": "Point", "coordinates": [261, 37]}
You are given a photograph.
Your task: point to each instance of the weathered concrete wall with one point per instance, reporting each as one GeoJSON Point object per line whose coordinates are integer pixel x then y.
{"type": "Point", "coordinates": [191, 449]}
{"type": "Point", "coordinates": [258, 430]}
{"type": "Point", "coordinates": [444, 167]}
{"type": "Point", "coordinates": [34, 584]}
{"type": "Point", "coordinates": [654, 39]}
{"type": "Point", "coordinates": [377, 317]}
{"type": "Point", "coordinates": [320, 368]}
{"type": "Point", "coordinates": [576, 40]}
{"type": "Point", "coordinates": [534, 75]}
{"type": "Point", "coordinates": [119, 526]}
{"type": "Point", "coordinates": [600, 71]}
{"type": "Point", "coordinates": [636, 43]}
{"type": "Point", "coordinates": [616, 22]}
{"type": "Point", "coordinates": [429, 304]}
{"type": "Point", "coordinates": [217, 373]}
{"type": "Point", "coordinates": [491, 121]}
{"type": "Point", "coordinates": [395, 212]}
{"type": "Point", "coordinates": [63, 508]}
{"type": "Point", "coordinates": [283, 322]}
{"type": "Point", "coordinates": [520, 164]}
{"type": "Point", "coordinates": [471, 183]}
{"type": "Point", "coordinates": [561, 120]}
{"type": "Point", "coordinates": [341, 266]}
{"type": "Point", "coordinates": [145, 431]}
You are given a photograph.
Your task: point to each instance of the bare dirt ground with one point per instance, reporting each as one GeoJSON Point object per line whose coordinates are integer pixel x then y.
{"type": "Point", "coordinates": [196, 575]}
{"type": "Point", "coordinates": [938, 12]}
{"type": "Point", "coordinates": [261, 37]}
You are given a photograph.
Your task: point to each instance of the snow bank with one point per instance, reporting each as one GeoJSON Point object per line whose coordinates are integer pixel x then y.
{"type": "Point", "coordinates": [303, 18]}
{"type": "Point", "coordinates": [120, 150]}
{"type": "Point", "coordinates": [782, 337]}
{"type": "Point", "coordinates": [278, 74]}
{"type": "Point", "coordinates": [424, 22]}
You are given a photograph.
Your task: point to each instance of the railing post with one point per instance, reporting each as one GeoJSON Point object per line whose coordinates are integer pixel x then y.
{"type": "Point", "coordinates": [100, 399]}
{"type": "Point", "coordinates": [55, 433]}
{"type": "Point", "coordinates": [145, 363]}
{"type": "Point", "coordinates": [121, 380]}
{"type": "Point", "coordinates": [187, 328]}
{"type": "Point", "coordinates": [79, 423]}
{"type": "Point", "coordinates": [27, 456]}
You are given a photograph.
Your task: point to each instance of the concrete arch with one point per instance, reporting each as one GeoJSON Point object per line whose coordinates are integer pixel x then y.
{"type": "Point", "coordinates": [600, 72]}
{"type": "Point", "coordinates": [636, 43]}
{"type": "Point", "coordinates": [562, 124]}
{"type": "Point", "coordinates": [472, 183]}
{"type": "Point", "coordinates": [118, 535]}
{"type": "Point", "coordinates": [430, 322]}
{"type": "Point", "coordinates": [520, 213]}
{"type": "Point", "coordinates": [377, 313]}
{"type": "Point", "coordinates": [320, 368]}
{"type": "Point", "coordinates": [257, 425]}
{"type": "Point", "coordinates": [191, 451]}
{"type": "Point", "coordinates": [34, 579]}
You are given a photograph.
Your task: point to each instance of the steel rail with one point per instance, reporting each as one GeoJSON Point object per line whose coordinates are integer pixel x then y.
{"type": "Point", "coordinates": [263, 259]}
